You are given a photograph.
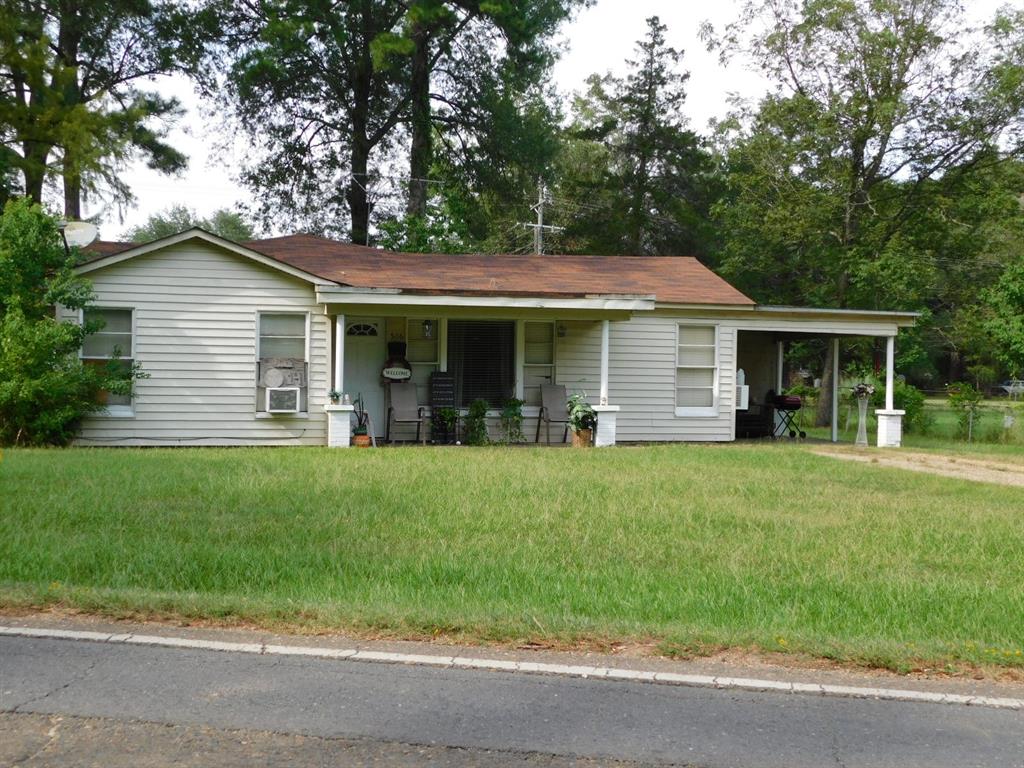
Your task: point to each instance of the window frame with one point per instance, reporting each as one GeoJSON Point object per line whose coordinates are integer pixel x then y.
{"type": "Point", "coordinates": [304, 397]}
{"type": "Point", "coordinates": [119, 410]}
{"type": "Point", "coordinates": [698, 411]}
{"type": "Point", "coordinates": [552, 366]}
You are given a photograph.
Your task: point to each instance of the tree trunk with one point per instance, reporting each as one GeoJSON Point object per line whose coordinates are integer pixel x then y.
{"type": "Point", "coordinates": [823, 417]}
{"type": "Point", "coordinates": [356, 195]}
{"type": "Point", "coordinates": [421, 152]}
{"type": "Point", "coordinates": [34, 169]}
{"type": "Point", "coordinates": [72, 196]}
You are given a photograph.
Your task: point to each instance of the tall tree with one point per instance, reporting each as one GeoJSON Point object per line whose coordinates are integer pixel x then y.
{"type": "Point", "coordinates": [634, 177]}
{"type": "Point", "coordinates": [228, 224]}
{"type": "Point", "coordinates": [71, 104]}
{"type": "Point", "coordinates": [873, 101]}
{"type": "Point", "coordinates": [335, 94]}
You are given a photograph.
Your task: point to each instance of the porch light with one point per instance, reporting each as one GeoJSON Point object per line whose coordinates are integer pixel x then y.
{"type": "Point", "coordinates": [428, 329]}
{"type": "Point", "coordinates": [561, 330]}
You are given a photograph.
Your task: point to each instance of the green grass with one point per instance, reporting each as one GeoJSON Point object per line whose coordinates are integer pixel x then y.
{"type": "Point", "coordinates": [692, 547]}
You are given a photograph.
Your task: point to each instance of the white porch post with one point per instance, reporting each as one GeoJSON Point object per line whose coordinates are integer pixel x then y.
{"type": "Point", "coordinates": [339, 352]}
{"type": "Point", "coordinates": [605, 333]}
{"type": "Point", "coordinates": [607, 415]}
{"type": "Point", "coordinates": [835, 389]}
{"type": "Point", "coordinates": [890, 421]}
{"type": "Point", "coordinates": [780, 361]}
{"type": "Point", "coordinates": [339, 417]}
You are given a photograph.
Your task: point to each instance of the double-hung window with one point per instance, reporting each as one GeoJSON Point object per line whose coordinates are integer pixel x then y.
{"type": "Point", "coordinates": [697, 370]}
{"type": "Point", "coordinates": [282, 362]}
{"type": "Point", "coordinates": [113, 341]}
{"type": "Point", "coordinates": [538, 358]}
{"type": "Point", "coordinates": [482, 360]}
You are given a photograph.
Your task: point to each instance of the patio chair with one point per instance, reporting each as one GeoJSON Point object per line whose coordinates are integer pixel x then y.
{"type": "Point", "coordinates": [405, 410]}
{"type": "Point", "coordinates": [553, 409]}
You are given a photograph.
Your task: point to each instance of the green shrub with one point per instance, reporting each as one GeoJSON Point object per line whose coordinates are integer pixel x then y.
{"type": "Point", "coordinates": [905, 397]}
{"type": "Point", "coordinates": [965, 400]}
{"type": "Point", "coordinates": [45, 391]}
{"type": "Point", "coordinates": [476, 423]}
{"type": "Point", "coordinates": [512, 421]}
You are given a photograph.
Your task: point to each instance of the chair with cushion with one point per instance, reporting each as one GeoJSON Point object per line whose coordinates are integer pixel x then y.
{"type": "Point", "coordinates": [554, 408]}
{"type": "Point", "coordinates": [404, 409]}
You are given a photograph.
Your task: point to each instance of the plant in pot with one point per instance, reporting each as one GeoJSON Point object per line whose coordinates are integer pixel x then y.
{"type": "Point", "coordinates": [475, 424]}
{"type": "Point", "coordinates": [446, 421]}
{"type": "Point", "coordinates": [582, 420]}
{"type": "Point", "coordinates": [361, 431]}
{"type": "Point", "coordinates": [334, 396]}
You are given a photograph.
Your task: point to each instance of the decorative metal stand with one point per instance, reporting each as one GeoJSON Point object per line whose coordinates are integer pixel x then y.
{"type": "Point", "coordinates": [862, 421]}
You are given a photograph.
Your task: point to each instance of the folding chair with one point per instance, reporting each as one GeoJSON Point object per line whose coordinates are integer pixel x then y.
{"type": "Point", "coordinates": [554, 408]}
{"type": "Point", "coordinates": [405, 410]}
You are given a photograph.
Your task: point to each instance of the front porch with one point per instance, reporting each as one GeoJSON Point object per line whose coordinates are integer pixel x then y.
{"type": "Point", "coordinates": [497, 350]}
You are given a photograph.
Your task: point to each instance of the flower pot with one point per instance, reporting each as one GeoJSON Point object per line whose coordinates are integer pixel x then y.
{"type": "Point", "coordinates": [583, 438]}
{"type": "Point", "coordinates": [361, 441]}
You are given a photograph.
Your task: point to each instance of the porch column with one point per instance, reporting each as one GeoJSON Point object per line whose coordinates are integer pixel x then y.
{"type": "Point", "coordinates": [890, 421]}
{"type": "Point", "coordinates": [780, 361]}
{"type": "Point", "coordinates": [605, 333]}
{"type": "Point", "coordinates": [339, 352]}
{"type": "Point", "coordinates": [339, 417]}
{"type": "Point", "coordinates": [835, 389]}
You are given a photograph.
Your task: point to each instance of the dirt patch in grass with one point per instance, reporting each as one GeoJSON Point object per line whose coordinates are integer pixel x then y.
{"type": "Point", "coordinates": [960, 467]}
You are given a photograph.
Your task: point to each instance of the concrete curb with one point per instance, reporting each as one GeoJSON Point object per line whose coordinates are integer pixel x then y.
{"type": "Point", "coordinates": [526, 667]}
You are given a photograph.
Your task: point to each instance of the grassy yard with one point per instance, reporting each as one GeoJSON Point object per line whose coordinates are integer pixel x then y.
{"type": "Point", "coordinates": [693, 547]}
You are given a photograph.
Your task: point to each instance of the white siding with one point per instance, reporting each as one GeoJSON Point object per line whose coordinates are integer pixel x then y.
{"type": "Point", "coordinates": [195, 336]}
{"type": "Point", "coordinates": [641, 376]}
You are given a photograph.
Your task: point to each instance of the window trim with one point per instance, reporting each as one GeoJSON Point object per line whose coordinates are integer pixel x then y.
{"type": "Point", "coordinates": [262, 414]}
{"type": "Point", "coordinates": [259, 328]}
{"type": "Point", "coordinates": [552, 366]}
{"type": "Point", "coordinates": [113, 411]}
{"type": "Point", "coordinates": [711, 411]}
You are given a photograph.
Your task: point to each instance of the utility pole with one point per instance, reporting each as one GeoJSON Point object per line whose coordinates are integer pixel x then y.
{"type": "Point", "coordinates": [540, 226]}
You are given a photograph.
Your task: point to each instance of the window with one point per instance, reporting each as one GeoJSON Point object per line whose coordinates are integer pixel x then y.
{"type": "Point", "coordinates": [421, 350]}
{"type": "Point", "coordinates": [281, 356]}
{"type": "Point", "coordinates": [539, 359]}
{"type": "Point", "coordinates": [283, 336]}
{"type": "Point", "coordinates": [113, 340]}
{"type": "Point", "coordinates": [482, 359]}
{"type": "Point", "coordinates": [697, 370]}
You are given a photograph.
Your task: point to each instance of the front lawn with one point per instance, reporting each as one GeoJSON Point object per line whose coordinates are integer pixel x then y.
{"type": "Point", "coordinates": [692, 547]}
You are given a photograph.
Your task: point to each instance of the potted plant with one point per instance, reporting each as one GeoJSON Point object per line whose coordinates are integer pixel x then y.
{"type": "Point", "coordinates": [446, 420]}
{"type": "Point", "coordinates": [475, 425]}
{"type": "Point", "coordinates": [334, 396]}
{"type": "Point", "coordinates": [582, 420]}
{"type": "Point", "coordinates": [361, 431]}
{"type": "Point", "coordinates": [863, 392]}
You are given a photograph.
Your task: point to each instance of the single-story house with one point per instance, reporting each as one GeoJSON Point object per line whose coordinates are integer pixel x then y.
{"type": "Point", "coordinates": [242, 342]}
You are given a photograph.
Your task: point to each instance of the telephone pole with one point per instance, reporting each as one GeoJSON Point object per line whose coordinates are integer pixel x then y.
{"type": "Point", "coordinates": [540, 226]}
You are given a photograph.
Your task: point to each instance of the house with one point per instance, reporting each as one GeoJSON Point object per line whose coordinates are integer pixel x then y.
{"type": "Point", "coordinates": [656, 343]}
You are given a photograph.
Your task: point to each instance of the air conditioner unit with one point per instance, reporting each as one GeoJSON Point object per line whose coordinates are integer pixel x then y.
{"type": "Point", "coordinates": [283, 399]}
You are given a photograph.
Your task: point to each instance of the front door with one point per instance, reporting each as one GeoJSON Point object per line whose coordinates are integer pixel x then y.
{"type": "Point", "coordinates": [365, 355]}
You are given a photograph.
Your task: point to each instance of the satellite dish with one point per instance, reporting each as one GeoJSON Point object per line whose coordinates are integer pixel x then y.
{"type": "Point", "coordinates": [79, 233]}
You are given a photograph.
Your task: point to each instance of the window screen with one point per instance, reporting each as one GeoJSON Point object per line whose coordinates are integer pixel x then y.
{"type": "Point", "coordinates": [481, 357]}
{"type": "Point", "coordinates": [696, 366]}
{"type": "Point", "coordinates": [113, 340]}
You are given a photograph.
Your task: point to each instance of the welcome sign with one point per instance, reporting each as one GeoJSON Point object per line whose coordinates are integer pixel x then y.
{"type": "Point", "coordinates": [396, 373]}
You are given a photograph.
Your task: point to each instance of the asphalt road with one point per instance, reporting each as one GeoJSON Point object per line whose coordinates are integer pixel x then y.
{"type": "Point", "coordinates": [520, 716]}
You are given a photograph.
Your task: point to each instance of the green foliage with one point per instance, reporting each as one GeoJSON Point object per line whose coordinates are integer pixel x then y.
{"type": "Point", "coordinates": [907, 398]}
{"type": "Point", "coordinates": [230, 225]}
{"type": "Point", "coordinates": [967, 402]}
{"type": "Point", "coordinates": [633, 179]}
{"type": "Point", "coordinates": [1004, 323]}
{"type": "Point", "coordinates": [71, 105]}
{"type": "Point", "coordinates": [437, 232]}
{"type": "Point", "coordinates": [581, 413]}
{"type": "Point", "coordinates": [511, 418]}
{"type": "Point", "coordinates": [475, 424]}
{"type": "Point", "coordinates": [45, 391]}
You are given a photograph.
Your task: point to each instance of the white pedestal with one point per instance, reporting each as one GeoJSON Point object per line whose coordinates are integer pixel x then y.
{"type": "Point", "coordinates": [607, 415]}
{"type": "Point", "coordinates": [339, 425]}
{"type": "Point", "coordinates": [890, 428]}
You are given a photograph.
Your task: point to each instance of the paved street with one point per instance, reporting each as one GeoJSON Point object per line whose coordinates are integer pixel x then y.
{"type": "Point", "coordinates": [330, 712]}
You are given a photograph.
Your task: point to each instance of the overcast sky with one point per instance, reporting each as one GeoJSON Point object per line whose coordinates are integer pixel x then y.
{"type": "Point", "coordinates": [600, 39]}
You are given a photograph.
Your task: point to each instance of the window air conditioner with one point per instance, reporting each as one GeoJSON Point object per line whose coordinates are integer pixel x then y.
{"type": "Point", "coordinates": [282, 399]}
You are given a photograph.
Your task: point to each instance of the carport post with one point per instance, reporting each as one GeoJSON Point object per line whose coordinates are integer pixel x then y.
{"type": "Point", "coordinates": [890, 365]}
{"type": "Point", "coordinates": [835, 389]}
